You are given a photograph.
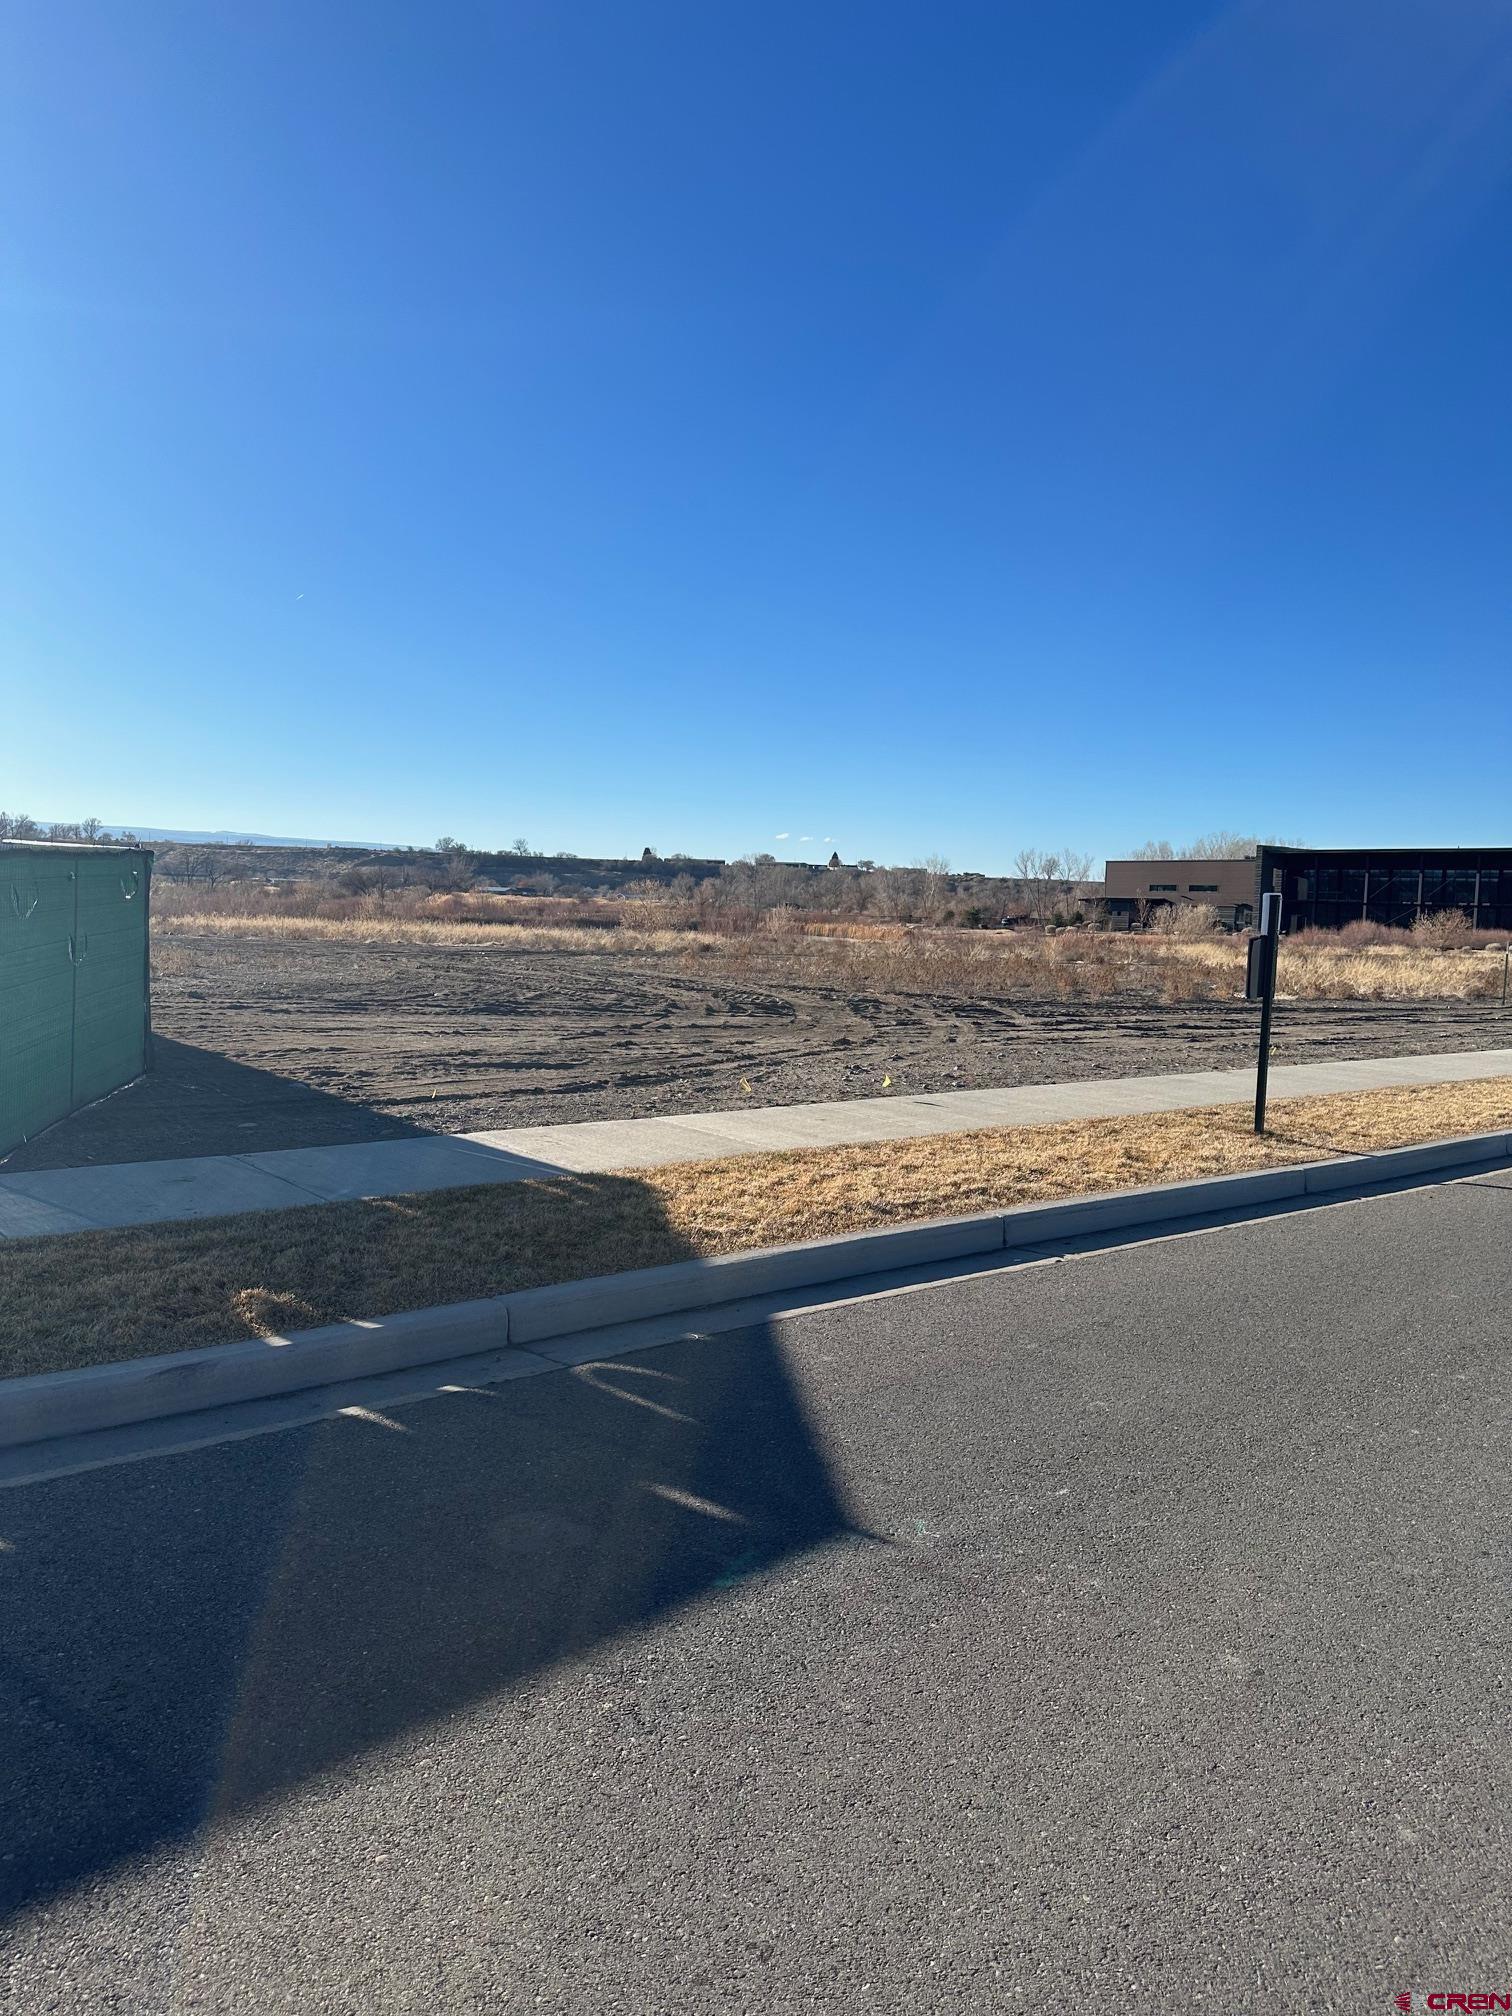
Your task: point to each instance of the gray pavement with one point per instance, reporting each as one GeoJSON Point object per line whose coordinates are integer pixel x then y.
{"type": "Point", "coordinates": [142, 1193]}
{"type": "Point", "coordinates": [1127, 1629]}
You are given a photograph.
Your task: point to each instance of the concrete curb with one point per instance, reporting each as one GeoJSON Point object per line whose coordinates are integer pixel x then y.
{"type": "Point", "coordinates": [1394, 1163]}
{"type": "Point", "coordinates": [46, 1404]}
{"type": "Point", "coordinates": [539, 1313]}
{"type": "Point", "coordinates": [49, 1404]}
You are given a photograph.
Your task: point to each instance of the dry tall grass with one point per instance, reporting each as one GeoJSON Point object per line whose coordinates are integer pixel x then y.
{"type": "Point", "coordinates": [858, 955]}
{"type": "Point", "coordinates": [277, 903]}
{"type": "Point", "coordinates": [392, 930]}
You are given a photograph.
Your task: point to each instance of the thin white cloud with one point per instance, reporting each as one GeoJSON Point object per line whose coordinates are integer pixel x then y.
{"type": "Point", "coordinates": [782, 836]}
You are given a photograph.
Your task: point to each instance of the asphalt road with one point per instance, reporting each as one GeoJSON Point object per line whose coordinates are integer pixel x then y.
{"type": "Point", "coordinates": [1129, 1630]}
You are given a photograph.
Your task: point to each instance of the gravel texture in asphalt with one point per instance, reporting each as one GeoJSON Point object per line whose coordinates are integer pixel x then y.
{"type": "Point", "coordinates": [1129, 1629]}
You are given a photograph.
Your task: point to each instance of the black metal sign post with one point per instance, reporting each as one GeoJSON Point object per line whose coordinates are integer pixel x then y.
{"type": "Point", "coordinates": [1260, 985]}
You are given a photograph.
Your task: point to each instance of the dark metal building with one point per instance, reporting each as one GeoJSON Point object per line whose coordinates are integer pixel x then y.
{"type": "Point", "coordinates": [1332, 886]}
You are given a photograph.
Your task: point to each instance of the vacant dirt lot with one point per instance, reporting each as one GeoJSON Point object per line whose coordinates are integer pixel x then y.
{"type": "Point", "coordinates": [269, 1043]}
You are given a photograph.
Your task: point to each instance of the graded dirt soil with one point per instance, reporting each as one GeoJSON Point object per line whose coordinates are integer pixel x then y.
{"type": "Point", "coordinates": [280, 1043]}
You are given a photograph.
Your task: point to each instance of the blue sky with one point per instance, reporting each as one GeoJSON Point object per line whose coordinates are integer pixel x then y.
{"type": "Point", "coordinates": [920, 428]}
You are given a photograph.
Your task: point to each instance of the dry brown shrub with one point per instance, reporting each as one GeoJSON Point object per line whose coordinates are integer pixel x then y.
{"type": "Point", "coordinates": [1187, 921]}
{"type": "Point", "coordinates": [1443, 930]}
{"type": "Point", "coordinates": [648, 906]}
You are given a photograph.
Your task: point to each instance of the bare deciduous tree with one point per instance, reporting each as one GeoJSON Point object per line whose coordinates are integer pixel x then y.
{"type": "Point", "coordinates": [933, 874]}
{"type": "Point", "coordinates": [1220, 845]}
{"type": "Point", "coordinates": [1074, 873]}
{"type": "Point", "coordinates": [1049, 885]}
{"type": "Point", "coordinates": [1036, 871]}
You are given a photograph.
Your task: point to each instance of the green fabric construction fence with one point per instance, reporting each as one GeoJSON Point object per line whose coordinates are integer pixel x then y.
{"type": "Point", "coordinates": [75, 1009]}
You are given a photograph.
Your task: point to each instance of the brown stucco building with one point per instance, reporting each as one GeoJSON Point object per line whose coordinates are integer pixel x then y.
{"type": "Point", "coordinates": [1137, 890]}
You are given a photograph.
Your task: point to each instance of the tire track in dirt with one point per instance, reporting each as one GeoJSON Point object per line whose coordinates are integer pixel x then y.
{"type": "Point", "coordinates": [283, 1043]}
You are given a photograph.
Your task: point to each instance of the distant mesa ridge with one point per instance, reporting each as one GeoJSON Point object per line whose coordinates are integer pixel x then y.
{"type": "Point", "coordinates": [229, 838]}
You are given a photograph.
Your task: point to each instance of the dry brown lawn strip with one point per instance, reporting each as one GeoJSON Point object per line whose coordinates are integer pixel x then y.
{"type": "Point", "coordinates": [89, 1297]}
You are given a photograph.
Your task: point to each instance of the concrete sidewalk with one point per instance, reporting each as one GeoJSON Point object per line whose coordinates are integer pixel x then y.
{"type": "Point", "coordinates": [209, 1186]}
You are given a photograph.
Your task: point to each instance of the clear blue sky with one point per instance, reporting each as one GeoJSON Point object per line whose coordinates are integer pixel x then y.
{"type": "Point", "coordinates": [926, 427]}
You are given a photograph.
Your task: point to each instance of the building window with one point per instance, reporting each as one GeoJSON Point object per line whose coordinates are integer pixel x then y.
{"type": "Point", "coordinates": [1162, 888]}
{"type": "Point", "coordinates": [1202, 888]}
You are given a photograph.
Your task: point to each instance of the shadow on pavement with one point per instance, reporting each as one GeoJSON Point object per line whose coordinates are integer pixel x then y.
{"type": "Point", "coordinates": [188, 1635]}
{"type": "Point", "coordinates": [198, 1102]}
